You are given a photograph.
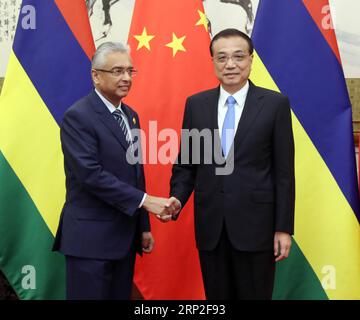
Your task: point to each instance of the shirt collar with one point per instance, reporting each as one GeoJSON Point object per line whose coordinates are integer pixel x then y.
{"type": "Point", "coordinates": [107, 103]}
{"type": "Point", "coordinates": [239, 96]}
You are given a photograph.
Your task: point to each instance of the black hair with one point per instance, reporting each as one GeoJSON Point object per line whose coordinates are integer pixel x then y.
{"type": "Point", "coordinates": [227, 33]}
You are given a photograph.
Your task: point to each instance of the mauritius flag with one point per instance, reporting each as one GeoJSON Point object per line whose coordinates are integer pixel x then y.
{"type": "Point", "coordinates": [49, 69]}
{"type": "Point", "coordinates": [298, 55]}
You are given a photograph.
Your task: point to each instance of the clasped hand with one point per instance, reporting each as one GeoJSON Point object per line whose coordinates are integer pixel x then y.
{"type": "Point", "coordinates": [164, 209]}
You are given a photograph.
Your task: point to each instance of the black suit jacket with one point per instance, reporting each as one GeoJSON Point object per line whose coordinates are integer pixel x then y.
{"type": "Point", "coordinates": [100, 218]}
{"type": "Point", "coordinates": [258, 197]}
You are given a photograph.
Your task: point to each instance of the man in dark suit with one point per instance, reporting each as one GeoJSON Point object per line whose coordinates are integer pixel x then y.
{"type": "Point", "coordinates": [244, 215]}
{"type": "Point", "coordinates": [104, 221]}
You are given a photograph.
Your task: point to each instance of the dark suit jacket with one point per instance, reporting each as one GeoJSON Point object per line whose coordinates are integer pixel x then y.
{"type": "Point", "coordinates": [258, 198]}
{"type": "Point", "coordinates": [100, 218]}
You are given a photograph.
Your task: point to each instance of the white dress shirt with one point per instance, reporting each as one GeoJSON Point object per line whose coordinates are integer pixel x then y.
{"type": "Point", "coordinates": [240, 97]}
{"type": "Point", "coordinates": [112, 108]}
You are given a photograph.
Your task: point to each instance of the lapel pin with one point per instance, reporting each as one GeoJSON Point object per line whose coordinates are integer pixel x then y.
{"type": "Point", "coordinates": [134, 121]}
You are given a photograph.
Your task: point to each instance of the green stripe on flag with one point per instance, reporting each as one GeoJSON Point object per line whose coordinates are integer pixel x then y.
{"type": "Point", "coordinates": [305, 285]}
{"type": "Point", "coordinates": [27, 241]}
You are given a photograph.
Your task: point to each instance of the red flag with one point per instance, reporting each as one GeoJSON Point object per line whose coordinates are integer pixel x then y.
{"type": "Point", "coordinates": [170, 48]}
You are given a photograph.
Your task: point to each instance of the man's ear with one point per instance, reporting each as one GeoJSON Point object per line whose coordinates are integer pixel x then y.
{"type": "Point", "coordinates": [95, 76]}
{"type": "Point", "coordinates": [251, 60]}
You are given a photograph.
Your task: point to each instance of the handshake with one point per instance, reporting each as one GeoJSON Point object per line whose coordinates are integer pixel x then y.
{"type": "Point", "coordinates": [164, 209]}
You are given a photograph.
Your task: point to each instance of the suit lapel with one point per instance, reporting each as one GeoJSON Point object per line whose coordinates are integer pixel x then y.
{"type": "Point", "coordinates": [133, 124]}
{"type": "Point", "coordinates": [107, 119]}
{"type": "Point", "coordinates": [130, 116]}
{"type": "Point", "coordinates": [212, 101]}
{"type": "Point", "coordinates": [251, 109]}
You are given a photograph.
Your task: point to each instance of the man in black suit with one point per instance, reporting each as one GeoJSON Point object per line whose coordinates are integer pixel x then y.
{"type": "Point", "coordinates": [105, 219]}
{"type": "Point", "coordinates": [244, 215]}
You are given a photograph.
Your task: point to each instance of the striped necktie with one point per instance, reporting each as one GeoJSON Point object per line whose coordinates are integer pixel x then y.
{"type": "Point", "coordinates": [120, 118]}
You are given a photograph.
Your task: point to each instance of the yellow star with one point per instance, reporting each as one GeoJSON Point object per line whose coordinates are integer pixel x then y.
{"type": "Point", "coordinates": [144, 40]}
{"type": "Point", "coordinates": [176, 44]}
{"type": "Point", "coordinates": [203, 20]}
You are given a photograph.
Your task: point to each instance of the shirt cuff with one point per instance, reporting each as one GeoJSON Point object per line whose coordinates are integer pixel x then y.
{"type": "Point", "coordinates": [142, 201]}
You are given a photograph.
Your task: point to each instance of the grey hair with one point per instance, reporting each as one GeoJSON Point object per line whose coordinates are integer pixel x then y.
{"type": "Point", "coordinates": [98, 60]}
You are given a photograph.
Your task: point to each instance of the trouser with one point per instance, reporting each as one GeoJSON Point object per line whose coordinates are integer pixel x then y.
{"type": "Point", "coordinates": [232, 274]}
{"type": "Point", "coordinates": [91, 279]}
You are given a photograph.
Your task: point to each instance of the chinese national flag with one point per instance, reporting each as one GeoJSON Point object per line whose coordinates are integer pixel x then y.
{"type": "Point", "coordinates": [169, 44]}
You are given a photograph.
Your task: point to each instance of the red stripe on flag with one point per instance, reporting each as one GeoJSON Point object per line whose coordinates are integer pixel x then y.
{"type": "Point", "coordinates": [75, 15]}
{"type": "Point", "coordinates": [320, 12]}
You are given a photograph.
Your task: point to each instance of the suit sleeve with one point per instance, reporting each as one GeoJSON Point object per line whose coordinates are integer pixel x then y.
{"type": "Point", "coordinates": [79, 144]}
{"type": "Point", "coordinates": [283, 159]}
{"type": "Point", "coordinates": [144, 215]}
{"type": "Point", "coordinates": [144, 221]}
{"type": "Point", "coordinates": [183, 172]}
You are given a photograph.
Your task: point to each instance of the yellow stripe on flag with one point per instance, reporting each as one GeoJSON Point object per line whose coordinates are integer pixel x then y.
{"type": "Point", "coordinates": [30, 141]}
{"type": "Point", "coordinates": [326, 228]}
